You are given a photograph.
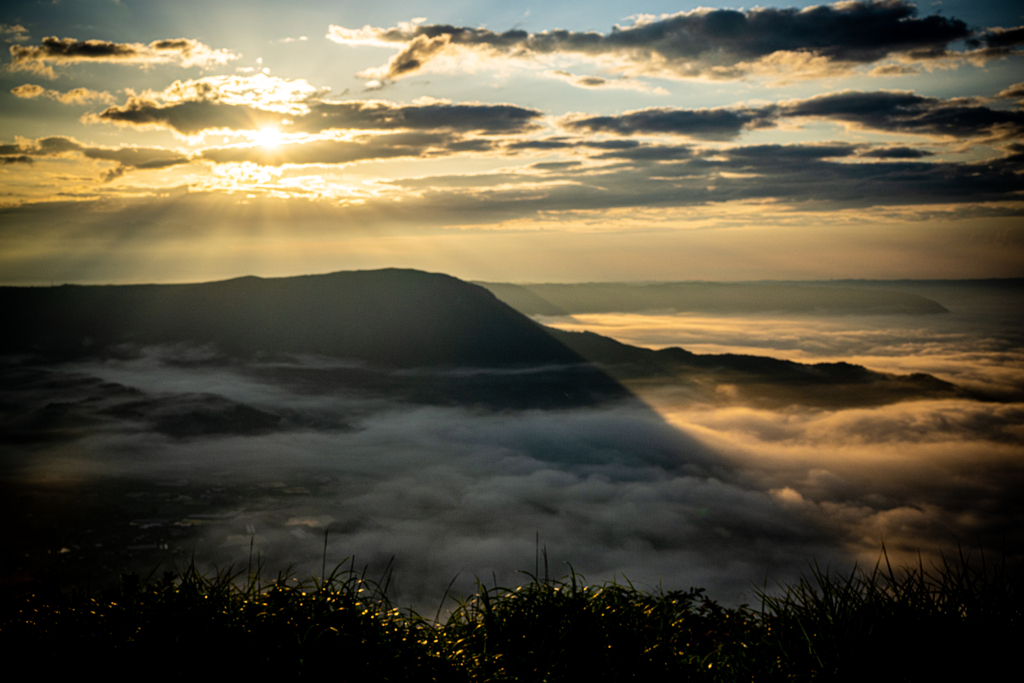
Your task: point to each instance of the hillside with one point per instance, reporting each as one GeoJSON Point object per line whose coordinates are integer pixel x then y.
{"type": "Point", "coordinates": [392, 317]}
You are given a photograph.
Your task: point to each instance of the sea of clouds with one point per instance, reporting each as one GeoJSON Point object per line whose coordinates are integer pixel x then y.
{"type": "Point", "coordinates": [663, 490]}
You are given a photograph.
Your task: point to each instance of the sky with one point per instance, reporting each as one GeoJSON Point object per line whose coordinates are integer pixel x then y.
{"type": "Point", "coordinates": [172, 142]}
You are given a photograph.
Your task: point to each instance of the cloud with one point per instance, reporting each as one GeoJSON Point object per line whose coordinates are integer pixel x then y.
{"type": "Point", "coordinates": [737, 493]}
{"type": "Point", "coordinates": [817, 178]}
{"type": "Point", "coordinates": [890, 111]}
{"type": "Point", "coordinates": [248, 103]}
{"type": "Point", "coordinates": [894, 70]}
{"type": "Point", "coordinates": [647, 153]}
{"type": "Point", "coordinates": [189, 117]}
{"type": "Point", "coordinates": [13, 33]}
{"type": "Point", "coordinates": [705, 124]}
{"type": "Point", "coordinates": [920, 476]}
{"type": "Point", "coordinates": [906, 112]}
{"type": "Point", "coordinates": [1013, 92]}
{"type": "Point", "coordinates": [428, 115]}
{"type": "Point", "coordinates": [386, 146]}
{"type": "Point", "coordinates": [73, 96]}
{"type": "Point", "coordinates": [29, 91]}
{"type": "Point", "coordinates": [598, 82]}
{"type": "Point", "coordinates": [998, 41]}
{"type": "Point", "coordinates": [260, 91]}
{"type": "Point", "coordinates": [703, 43]}
{"type": "Point", "coordinates": [982, 46]}
{"type": "Point", "coordinates": [184, 52]}
{"type": "Point", "coordinates": [625, 175]}
{"type": "Point", "coordinates": [809, 175]}
{"type": "Point", "coordinates": [789, 153]}
{"type": "Point", "coordinates": [126, 157]}
{"type": "Point", "coordinates": [446, 489]}
{"type": "Point", "coordinates": [897, 153]}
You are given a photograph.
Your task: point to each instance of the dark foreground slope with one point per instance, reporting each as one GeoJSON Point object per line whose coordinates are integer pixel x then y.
{"type": "Point", "coordinates": [395, 318]}
{"type": "Point", "coordinates": [957, 621]}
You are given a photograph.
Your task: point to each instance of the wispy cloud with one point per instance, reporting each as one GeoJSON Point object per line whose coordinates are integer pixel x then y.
{"type": "Point", "coordinates": [1013, 92]}
{"type": "Point", "coordinates": [73, 96]}
{"type": "Point", "coordinates": [602, 83]}
{"type": "Point", "coordinates": [13, 33]}
{"type": "Point", "coordinates": [183, 52]}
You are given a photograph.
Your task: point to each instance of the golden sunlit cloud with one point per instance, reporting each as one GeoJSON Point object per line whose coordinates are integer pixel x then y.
{"type": "Point", "coordinates": [74, 96]}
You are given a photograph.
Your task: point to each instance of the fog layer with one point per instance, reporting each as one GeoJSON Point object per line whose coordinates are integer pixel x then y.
{"type": "Point", "coordinates": [173, 452]}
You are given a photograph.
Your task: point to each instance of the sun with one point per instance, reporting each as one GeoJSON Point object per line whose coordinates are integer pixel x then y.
{"type": "Point", "coordinates": [268, 137]}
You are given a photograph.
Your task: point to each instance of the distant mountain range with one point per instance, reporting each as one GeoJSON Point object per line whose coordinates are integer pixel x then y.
{"type": "Point", "coordinates": [403, 319]}
{"type": "Point", "coordinates": [711, 297]}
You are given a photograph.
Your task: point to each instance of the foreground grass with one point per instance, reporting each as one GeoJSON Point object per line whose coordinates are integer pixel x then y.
{"type": "Point", "coordinates": [959, 619]}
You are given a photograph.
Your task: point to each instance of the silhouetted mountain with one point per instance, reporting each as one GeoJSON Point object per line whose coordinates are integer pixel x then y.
{"type": "Point", "coordinates": [468, 347]}
{"type": "Point", "coordinates": [396, 318]}
{"type": "Point", "coordinates": [711, 297]}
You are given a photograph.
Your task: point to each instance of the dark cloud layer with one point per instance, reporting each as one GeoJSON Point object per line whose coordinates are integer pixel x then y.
{"type": "Point", "coordinates": [387, 146]}
{"type": "Point", "coordinates": [126, 157]}
{"type": "Point", "coordinates": [813, 176]}
{"type": "Point", "coordinates": [889, 111]}
{"type": "Point", "coordinates": [477, 118]}
{"type": "Point", "coordinates": [906, 112]}
{"type": "Point", "coordinates": [809, 177]}
{"type": "Point", "coordinates": [706, 124]}
{"type": "Point", "coordinates": [998, 41]}
{"type": "Point", "coordinates": [190, 117]}
{"type": "Point", "coordinates": [198, 115]}
{"type": "Point", "coordinates": [715, 43]}
{"type": "Point", "coordinates": [897, 153]}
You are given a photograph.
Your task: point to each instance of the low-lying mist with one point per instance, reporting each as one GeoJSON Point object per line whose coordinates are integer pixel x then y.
{"type": "Point", "coordinates": [924, 475]}
{"type": "Point", "coordinates": [444, 490]}
{"type": "Point", "coordinates": [174, 452]}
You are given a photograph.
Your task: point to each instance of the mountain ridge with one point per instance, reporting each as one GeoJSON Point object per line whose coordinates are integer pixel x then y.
{"type": "Point", "coordinates": [394, 317]}
{"type": "Point", "coordinates": [400, 319]}
{"type": "Point", "coordinates": [711, 297]}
